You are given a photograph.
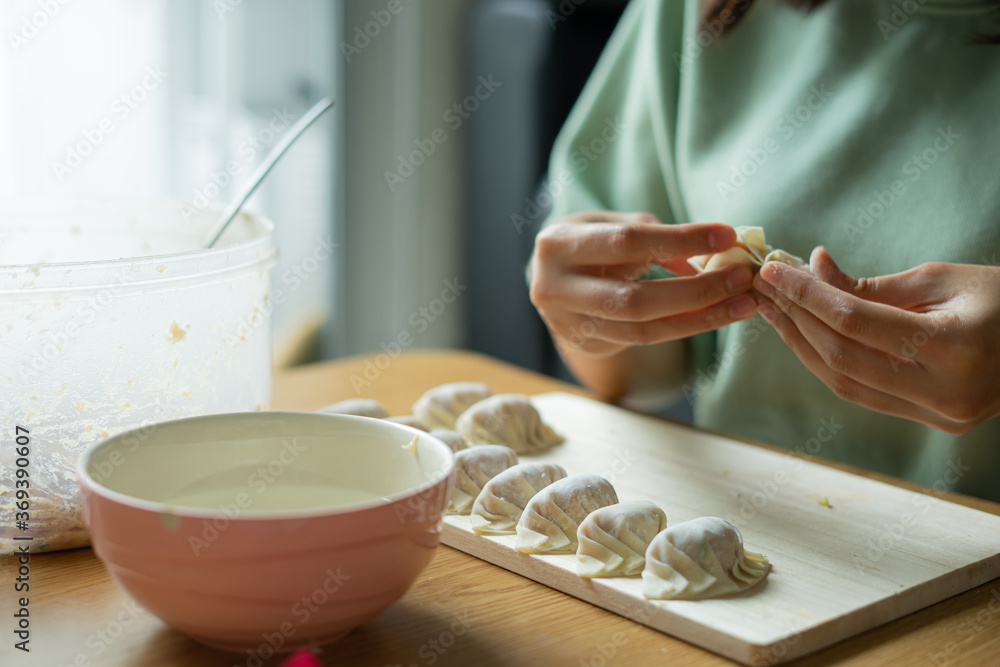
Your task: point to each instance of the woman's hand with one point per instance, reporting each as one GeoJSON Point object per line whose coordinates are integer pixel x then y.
{"type": "Point", "coordinates": [923, 344]}
{"type": "Point", "coordinates": [584, 282]}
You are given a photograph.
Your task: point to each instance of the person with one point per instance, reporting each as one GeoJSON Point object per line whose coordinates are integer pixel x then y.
{"type": "Point", "coordinates": [857, 130]}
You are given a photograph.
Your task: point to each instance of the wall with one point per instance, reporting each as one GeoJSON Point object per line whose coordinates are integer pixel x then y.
{"type": "Point", "coordinates": [401, 243]}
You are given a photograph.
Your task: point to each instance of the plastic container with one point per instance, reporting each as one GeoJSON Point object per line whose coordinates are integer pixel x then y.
{"type": "Point", "coordinates": [113, 317]}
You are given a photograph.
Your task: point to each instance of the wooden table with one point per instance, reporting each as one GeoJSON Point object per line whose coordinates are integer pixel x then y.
{"type": "Point", "coordinates": [461, 611]}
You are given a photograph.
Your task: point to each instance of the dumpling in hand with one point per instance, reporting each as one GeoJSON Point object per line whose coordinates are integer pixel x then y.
{"type": "Point", "coordinates": [362, 407]}
{"type": "Point", "coordinates": [440, 407]}
{"type": "Point", "coordinates": [507, 419]}
{"type": "Point", "coordinates": [787, 258]}
{"type": "Point", "coordinates": [474, 467]}
{"type": "Point", "coordinates": [613, 539]}
{"type": "Point", "coordinates": [409, 420]}
{"type": "Point", "coordinates": [698, 559]}
{"type": "Point", "coordinates": [550, 519]}
{"type": "Point", "coordinates": [750, 250]}
{"type": "Point", "coordinates": [500, 504]}
{"type": "Point", "coordinates": [450, 438]}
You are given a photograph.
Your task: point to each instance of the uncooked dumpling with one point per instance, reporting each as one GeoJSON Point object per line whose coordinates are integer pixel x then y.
{"type": "Point", "coordinates": [440, 407]}
{"type": "Point", "coordinates": [507, 419]}
{"type": "Point", "coordinates": [450, 438]}
{"type": "Point", "coordinates": [613, 540]}
{"type": "Point", "coordinates": [409, 420]}
{"type": "Point", "coordinates": [786, 258]}
{"type": "Point", "coordinates": [550, 519]}
{"type": "Point", "coordinates": [750, 250]}
{"type": "Point", "coordinates": [698, 559]}
{"type": "Point", "coordinates": [362, 407]}
{"type": "Point", "coordinates": [500, 504]}
{"type": "Point", "coordinates": [474, 467]}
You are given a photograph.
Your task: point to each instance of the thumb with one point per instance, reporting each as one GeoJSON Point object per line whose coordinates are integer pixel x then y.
{"type": "Point", "coordinates": [824, 268]}
{"type": "Point", "coordinates": [902, 290]}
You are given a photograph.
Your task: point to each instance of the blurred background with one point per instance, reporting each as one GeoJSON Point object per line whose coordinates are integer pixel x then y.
{"type": "Point", "coordinates": [427, 177]}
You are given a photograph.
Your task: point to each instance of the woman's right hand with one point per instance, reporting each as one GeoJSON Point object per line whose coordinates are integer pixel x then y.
{"type": "Point", "coordinates": [585, 282]}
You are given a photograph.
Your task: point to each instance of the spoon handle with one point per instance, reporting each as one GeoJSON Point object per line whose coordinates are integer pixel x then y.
{"type": "Point", "coordinates": [265, 166]}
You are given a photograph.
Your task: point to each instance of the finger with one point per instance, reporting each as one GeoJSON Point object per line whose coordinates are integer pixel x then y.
{"type": "Point", "coordinates": [679, 266]}
{"type": "Point", "coordinates": [824, 268]}
{"type": "Point", "coordinates": [910, 289]}
{"type": "Point", "coordinates": [620, 271]}
{"type": "Point", "coordinates": [574, 333]}
{"type": "Point", "coordinates": [641, 301]}
{"type": "Point", "coordinates": [676, 266]}
{"type": "Point", "coordinates": [873, 368]}
{"type": "Point", "coordinates": [600, 243]}
{"type": "Point", "coordinates": [875, 324]}
{"type": "Point", "coordinates": [734, 309]}
{"type": "Point", "coordinates": [844, 387]}
{"type": "Point", "coordinates": [614, 216]}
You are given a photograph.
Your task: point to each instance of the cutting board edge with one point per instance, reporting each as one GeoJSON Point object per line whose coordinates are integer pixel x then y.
{"type": "Point", "coordinates": [742, 650]}
{"type": "Point", "coordinates": [590, 591]}
{"type": "Point", "coordinates": [912, 600]}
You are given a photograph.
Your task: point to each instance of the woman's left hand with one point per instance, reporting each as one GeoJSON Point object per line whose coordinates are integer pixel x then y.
{"type": "Point", "coordinates": [923, 344]}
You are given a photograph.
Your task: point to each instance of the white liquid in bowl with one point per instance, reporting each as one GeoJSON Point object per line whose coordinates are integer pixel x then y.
{"type": "Point", "coordinates": [282, 497]}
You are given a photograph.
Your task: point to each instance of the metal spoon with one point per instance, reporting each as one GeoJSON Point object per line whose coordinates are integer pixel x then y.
{"type": "Point", "coordinates": [265, 166]}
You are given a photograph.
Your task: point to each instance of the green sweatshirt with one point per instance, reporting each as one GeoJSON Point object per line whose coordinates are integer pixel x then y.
{"type": "Point", "coordinates": [869, 127]}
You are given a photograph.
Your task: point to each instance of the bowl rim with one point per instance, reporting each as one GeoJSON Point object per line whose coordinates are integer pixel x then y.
{"type": "Point", "coordinates": [134, 206]}
{"type": "Point", "coordinates": [90, 484]}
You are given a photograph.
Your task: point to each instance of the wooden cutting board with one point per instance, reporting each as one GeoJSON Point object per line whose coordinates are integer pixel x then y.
{"type": "Point", "coordinates": [876, 553]}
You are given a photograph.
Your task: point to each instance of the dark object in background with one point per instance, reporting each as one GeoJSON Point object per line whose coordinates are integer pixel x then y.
{"type": "Point", "coordinates": [541, 53]}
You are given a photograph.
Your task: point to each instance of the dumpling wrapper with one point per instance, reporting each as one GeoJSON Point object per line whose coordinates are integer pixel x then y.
{"type": "Point", "coordinates": [613, 540]}
{"type": "Point", "coordinates": [409, 420]}
{"type": "Point", "coordinates": [750, 250]}
{"type": "Point", "coordinates": [698, 559]}
{"type": "Point", "coordinates": [362, 407]}
{"type": "Point", "coordinates": [474, 467]}
{"type": "Point", "coordinates": [503, 499]}
{"type": "Point", "coordinates": [440, 407]}
{"type": "Point", "coordinates": [787, 258]}
{"type": "Point", "coordinates": [451, 438]}
{"type": "Point", "coordinates": [551, 519]}
{"type": "Point", "coordinates": [507, 419]}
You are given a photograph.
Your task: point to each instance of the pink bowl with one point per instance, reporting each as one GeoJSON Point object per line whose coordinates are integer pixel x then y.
{"type": "Point", "coordinates": [262, 532]}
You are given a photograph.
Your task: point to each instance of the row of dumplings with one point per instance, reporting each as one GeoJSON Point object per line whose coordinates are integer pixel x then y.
{"type": "Point", "coordinates": [554, 513]}
{"type": "Point", "coordinates": [466, 413]}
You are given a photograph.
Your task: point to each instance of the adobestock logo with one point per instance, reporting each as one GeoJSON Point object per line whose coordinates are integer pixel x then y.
{"type": "Point", "coordinates": [94, 136]}
{"type": "Point", "coordinates": [913, 169]}
{"type": "Point", "coordinates": [581, 158]}
{"type": "Point", "coordinates": [32, 24]}
{"type": "Point", "coordinates": [454, 116]}
{"type": "Point", "coordinates": [419, 321]}
{"type": "Point", "coordinates": [248, 150]}
{"type": "Point", "coordinates": [785, 128]}
{"type": "Point", "coordinates": [381, 18]}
